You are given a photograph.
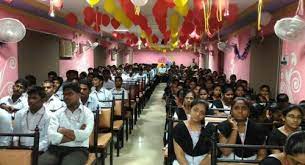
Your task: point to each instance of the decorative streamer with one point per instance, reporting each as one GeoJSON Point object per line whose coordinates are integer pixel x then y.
{"type": "Point", "coordinates": [220, 7]}
{"type": "Point", "coordinates": [227, 8]}
{"type": "Point", "coordinates": [259, 14]}
{"type": "Point", "coordinates": [300, 10]}
{"type": "Point", "coordinates": [244, 55]}
{"type": "Point", "coordinates": [207, 8]}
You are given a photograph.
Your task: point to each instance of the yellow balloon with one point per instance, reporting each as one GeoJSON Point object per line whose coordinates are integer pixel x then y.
{"type": "Point", "coordinates": [93, 2]}
{"type": "Point", "coordinates": [180, 3]}
{"type": "Point", "coordinates": [182, 10]}
{"type": "Point", "coordinates": [109, 6]}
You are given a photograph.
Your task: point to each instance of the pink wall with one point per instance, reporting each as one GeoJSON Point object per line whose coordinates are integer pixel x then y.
{"type": "Point", "coordinates": [148, 57]}
{"type": "Point", "coordinates": [8, 69]}
{"type": "Point", "coordinates": [293, 74]}
{"type": "Point", "coordinates": [8, 75]}
{"type": "Point", "coordinates": [232, 65]}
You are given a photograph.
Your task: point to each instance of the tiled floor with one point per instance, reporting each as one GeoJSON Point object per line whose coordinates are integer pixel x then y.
{"type": "Point", "coordinates": [144, 146]}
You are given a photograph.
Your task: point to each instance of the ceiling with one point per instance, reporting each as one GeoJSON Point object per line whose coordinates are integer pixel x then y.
{"type": "Point", "coordinates": [77, 6]}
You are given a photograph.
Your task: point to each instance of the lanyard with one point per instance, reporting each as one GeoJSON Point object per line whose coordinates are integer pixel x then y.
{"type": "Point", "coordinates": [27, 121]}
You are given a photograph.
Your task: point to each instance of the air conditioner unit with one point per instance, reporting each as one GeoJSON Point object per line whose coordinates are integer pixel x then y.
{"type": "Point", "coordinates": [65, 48]}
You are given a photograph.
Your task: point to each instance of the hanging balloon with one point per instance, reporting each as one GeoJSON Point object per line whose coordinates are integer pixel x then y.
{"type": "Point", "coordinates": [89, 12]}
{"type": "Point", "coordinates": [180, 3]}
{"type": "Point", "coordinates": [266, 18]}
{"type": "Point", "coordinates": [93, 2]}
{"type": "Point", "coordinates": [109, 6]}
{"type": "Point", "coordinates": [232, 16]}
{"type": "Point", "coordinates": [88, 21]}
{"type": "Point", "coordinates": [115, 24]}
{"type": "Point", "coordinates": [71, 19]}
{"type": "Point", "coordinates": [169, 3]}
{"type": "Point", "coordinates": [182, 10]}
{"type": "Point", "coordinates": [138, 4]}
{"type": "Point", "coordinates": [105, 20]}
{"type": "Point", "coordinates": [155, 39]}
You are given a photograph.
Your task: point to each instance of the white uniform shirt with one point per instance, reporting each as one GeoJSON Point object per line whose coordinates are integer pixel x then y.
{"type": "Point", "coordinates": [26, 122]}
{"type": "Point", "coordinates": [54, 104]}
{"type": "Point", "coordinates": [117, 94]}
{"type": "Point", "coordinates": [92, 103]}
{"type": "Point", "coordinates": [5, 127]}
{"type": "Point", "coordinates": [103, 95]}
{"type": "Point", "coordinates": [73, 121]}
{"type": "Point", "coordinates": [21, 103]}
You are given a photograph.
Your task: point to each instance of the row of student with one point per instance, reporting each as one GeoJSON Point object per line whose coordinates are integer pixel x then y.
{"type": "Point", "coordinates": [63, 135]}
{"type": "Point", "coordinates": [192, 143]}
{"type": "Point", "coordinates": [102, 78]}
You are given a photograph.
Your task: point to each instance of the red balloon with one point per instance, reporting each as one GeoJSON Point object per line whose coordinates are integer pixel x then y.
{"type": "Point", "coordinates": [155, 39]}
{"type": "Point", "coordinates": [88, 12]}
{"type": "Point", "coordinates": [115, 24]}
{"type": "Point", "coordinates": [105, 20]}
{"type": "Point", "coordinates": [88, 21]}
{"type": "Point", "coordinates": [233, 13]}
{"type": "Point", "coordinates": [188, 28]}
{"type": "Point", "coordinates": [71, 19]}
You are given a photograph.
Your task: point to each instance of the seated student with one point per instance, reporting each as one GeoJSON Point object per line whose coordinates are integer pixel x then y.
{"type": "Point", "coordinates": [69, 131]}
{"type": "Point", "coordinates": [203, 94]}
{"type": "Point", "coordinates": [58, 82]}
{"type": "Point", "coordinates": [108, 83]}
{"type": "Point", "coordinates": [294, 152]}
{"type": "Point", "coordinates": [217, 92]}
{"type": "Point", "coordinates": [118, 89]}
{"type": "Point", "coordinates": [191, 144]}
{"type": "Point", "coordinates": [99, 92]}
{"type": "Point", "coordinates": [239, 91]}
{"type": "Point", "coordinates": [292, 117]}
{"type": "Point", "coordinates": [36, 115]}
{"type": "Point", "coordinates": [182, 113]}
{"type": "Point", "coordinates": [264, 95]}
{"type": "Point", "coordinates": [5, 127]}
{"type": "Point", "coordinates": [16, 101]}
{"type": "Point", "coordinates": [282, 100]}
{"type": "Point", "coordinates": [225, 102]}
{"type": "Point", "coordinates": [52, 103]}
{"type": "Point", "coordinates": [86, 99]}
{"type": "Point", "coordinates": [238, 129]}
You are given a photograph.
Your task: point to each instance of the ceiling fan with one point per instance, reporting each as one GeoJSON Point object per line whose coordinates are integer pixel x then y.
{"type": "Point", "coordinates": [291, 28]}
{"type": "Point", "coordinates": [11, 30]}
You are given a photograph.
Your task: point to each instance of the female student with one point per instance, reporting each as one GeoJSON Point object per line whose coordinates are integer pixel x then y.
{"type": "Point", "coordinates": [191, 145]}
{"type": "Point", "coordinates": [292, 117]}
{"type": "Point", "coordinates": [294, 152]}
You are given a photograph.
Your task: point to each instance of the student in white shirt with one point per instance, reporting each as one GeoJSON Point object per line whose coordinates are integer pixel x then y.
{"type": "Point", "coordinates": [57, 82]}
{"type": "Point", "coordinates": [118, 89]}
{"type": "Point", "coordinates": [69, 131]}
{"type": "Point", "coordinates": [86, 99]}
{"type": "Point", "coordinates": [99, 92]}
{"type": "Point", "coordinates": [17, 101]}
{"type": "Point", "coordinates": [52, 103]}
{"type": "Point", "coordinates": [5, 127]}
{"type": "Point", "coordinates": [36, 115]}
{"type": "Point", "coordinates": [108, 83]}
